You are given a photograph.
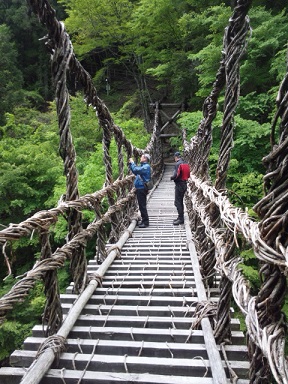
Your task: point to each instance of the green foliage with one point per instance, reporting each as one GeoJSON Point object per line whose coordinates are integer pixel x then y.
{"type": "Point", "coordinates": [190, 121]}
{"type": "Point", "coordinates": [155, 28]}
{"type": "Point", "coordinates": [25, 314]}
{"type": "Point", "coordinates": [134, 131]}
{"type": "Point", "coordinates": [64, 277]}
{"type": "Point", "coordinates": [32, 60]}
{"type": "Point", "coordinates": [206, 57]}
{"type": "Point", "coordinates": [255, 106]}
{"type": "Point", "coordinates": [21, 319]}
{"type": "Point", "coordinates": [11, 79]}
{"type": "Point", "coordinates": [265, 62]}
{"type": "Point", "coordinates": [6, 285]}
{"type": "Point", "coordinates": [263, 66]}
{"type": "Point", "coordinates": [158, 40]}
{"type": "Point", "coordinates": [29, 163]}
{"type": "Point", "coordinates": [249, 268]}
{"type": "Point", "coordinates": [248, 188]}
{"type": "Point", "coordinates": [127, 110]}
{"type": "Point", "coordinates": [98, 24]}
{"type": "Point", "coordinates": [31, 178]}
{"type": "Point", "coordinates": [93, 176]}
{"type": "Point", "coordinates": [179, 44]}
{"type": "Point", "coordinates": [246, 171]}
{"type": "Point", "coordinates": [84, 129]}
{"type": "Point", "coordinates": [12, 334]}
{"type": "Point", "coordinates": [251, 144]}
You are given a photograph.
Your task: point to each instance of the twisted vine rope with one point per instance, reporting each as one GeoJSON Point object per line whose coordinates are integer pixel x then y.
{"type": "Point", "coordinates": [21, 289]}
{"type": "Point", "coordinates": [273, 230]}
{"type": "Point", "coordinates": [52, 315]}
{"type": "Point", "coordinates": [270, 338]}
{"type": "Point", "coordinates": [214, 216]}
{"type": "Point", "coordinates": [234, 46]}
{"type": "Point", "coordinates": [61, 53]}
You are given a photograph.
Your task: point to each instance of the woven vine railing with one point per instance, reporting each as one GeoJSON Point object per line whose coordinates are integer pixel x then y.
{"type": "Point", "coordinates": [119, 193]}
{"type": "Point", "coordinates": [216, 224]}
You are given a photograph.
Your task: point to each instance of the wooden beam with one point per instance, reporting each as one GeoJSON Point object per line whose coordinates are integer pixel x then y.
{"type": "Point", "coordinates": [170, 119]}
{"type": "Point", "coordinates": [217, 369]}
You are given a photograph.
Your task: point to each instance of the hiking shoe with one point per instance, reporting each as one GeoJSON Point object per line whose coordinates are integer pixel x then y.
{"type": "Point", "coordinates": [178, 221]}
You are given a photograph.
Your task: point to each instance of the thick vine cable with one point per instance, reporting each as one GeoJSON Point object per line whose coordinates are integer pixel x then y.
{"type": "Point", "coordinates": [235, 41]}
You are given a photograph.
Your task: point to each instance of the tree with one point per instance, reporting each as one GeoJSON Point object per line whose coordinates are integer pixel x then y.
{"type": "Point", "coordinates": [102, 28]}
{"type": "Point", "coordinates": [265, 64]}
{"type": "Point", "coordinates": [29, 164]}
{"type": "Point", "coordinates": [32, 58]}
{"type": "Point", "coordinates": [11, 79]}
{"type": "Point", "coordinates": [159, 42]}
{"type": "Point", "coordinates": [262, 68]}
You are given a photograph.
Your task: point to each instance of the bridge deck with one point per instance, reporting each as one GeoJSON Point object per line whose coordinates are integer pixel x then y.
{"type": "Point", "coordinates": [136, 327]}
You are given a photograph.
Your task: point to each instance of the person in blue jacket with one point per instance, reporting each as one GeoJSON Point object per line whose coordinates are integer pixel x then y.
{"type": "Point", "coordinates": [143, 174]}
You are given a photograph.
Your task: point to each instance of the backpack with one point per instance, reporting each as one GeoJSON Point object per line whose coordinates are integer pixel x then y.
{"type": "Point", "coordinates": [149, 185]}
{"type": "Point", "coordinates": [183, 172]}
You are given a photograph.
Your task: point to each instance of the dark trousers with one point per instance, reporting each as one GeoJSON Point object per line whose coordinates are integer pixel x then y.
{"type": "Point", "coordinates": [142, 202]}
{"type": "Point", "coordinates": [180, 189]}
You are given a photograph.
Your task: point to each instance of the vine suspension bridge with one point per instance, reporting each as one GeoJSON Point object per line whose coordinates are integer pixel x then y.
{"type": "Point", "coordinates": [154, 306]}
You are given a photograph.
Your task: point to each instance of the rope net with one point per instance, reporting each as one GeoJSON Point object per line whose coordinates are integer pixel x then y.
{"type": "Point", "coordinates": [215, 222]}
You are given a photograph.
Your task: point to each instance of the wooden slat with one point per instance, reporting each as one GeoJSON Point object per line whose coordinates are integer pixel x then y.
{"type": "Point", "coordinates": [122, 347]}
{"type": "Point", "coordinates": [139, 334]}
{"type": "Point", "coordinates": [138, 300]}
{"type": "Point", "coordinates": [139, 364]}
{"type": "Point", "coordinates": [56, 376]}
{"type": "Point", "coordinates": [148, 321]}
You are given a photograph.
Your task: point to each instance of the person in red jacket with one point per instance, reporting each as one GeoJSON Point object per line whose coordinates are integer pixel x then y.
{"type": "Point", "coordinates": [180, 176]}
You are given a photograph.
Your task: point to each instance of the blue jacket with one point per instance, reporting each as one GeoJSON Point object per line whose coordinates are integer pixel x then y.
{"type": "Point", "coordinates": [143, 170]}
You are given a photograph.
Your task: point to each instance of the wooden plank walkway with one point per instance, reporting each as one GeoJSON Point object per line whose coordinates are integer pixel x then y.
{"type": "Point", "coordinates": [136, 327]}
